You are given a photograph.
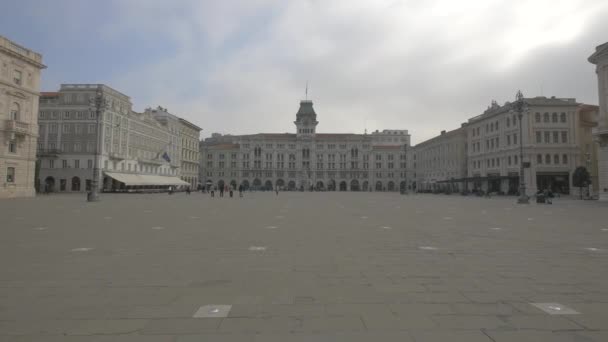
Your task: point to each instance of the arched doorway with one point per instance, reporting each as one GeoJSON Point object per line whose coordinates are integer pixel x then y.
{"type": "Point", "coordinates": [245, 184]}
{"type": "Point", "coordinates": [378, 186]}
{"type": "Point", "coordinates": [391, 186]}
{"type": "Point", "coordinates": [233, 184]}
{"type": "Point", "coordinates": [220, 184]}
{"type": "Point", "coordinates": [354, 185]}
{"type": "Point", "coordinates": [75, 184]}
{"type": "Point", "coordinates": [331, 185]}
{"type": "Point", "coordinates": [365, 186]}
{"type": "Point", "coordinates": [280, 184]}
{"type": "Point", "coordinates": [342, 186]}
{"type": "Point", "coordinates": [291, 185]}
{"type": "Point", "coordinates": [268, 185]}
{"type": "Point", "coordinates": [320, 186]}
{"type": "Point", "coordinates": [402, 186]}
{"type": "Point", "coordinates": [257, 184]}
{"type": "Point", "coordinates": [49, 184]}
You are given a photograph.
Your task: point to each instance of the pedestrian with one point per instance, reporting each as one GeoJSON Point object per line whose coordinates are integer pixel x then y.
{"type": "Point", "coordinates": [241, 190]}
{"type": "Point", "coordinates": [188, 190]}
{"type": "Point", "coordinates": [276, 190]}
{"type": "Point", "coordinates": [170, 190]}
{"type": "Point", "coordinates": [221, 191]}
{"type": "Point", "coordinates": [231, 192]}
{"type": "Point", "coordinates": [548, 196]}
{"type": "Point", "coordinates": [212, 192]}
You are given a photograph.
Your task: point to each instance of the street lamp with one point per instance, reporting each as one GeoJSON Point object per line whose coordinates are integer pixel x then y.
{"type": "Point", "coordinates": [588, 162]}
{"type": "Point", "coordinates": [519, 108]}
{"type": "Point", "coordinates": [98, 104]}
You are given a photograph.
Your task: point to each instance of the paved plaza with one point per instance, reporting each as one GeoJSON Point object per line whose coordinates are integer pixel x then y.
{"type": "Point", "coordinates": [302, 267]}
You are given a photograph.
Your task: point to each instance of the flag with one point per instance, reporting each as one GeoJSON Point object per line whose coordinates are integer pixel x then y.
{"type": "Point", "coordinates": [166, 157]}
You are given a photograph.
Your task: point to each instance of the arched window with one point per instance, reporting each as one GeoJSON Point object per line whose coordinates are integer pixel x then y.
{"type": "Point", "coordinates": [539, 159]}
{"type": "Point", "coordinates": [14, 112]}
{"type": "Point", "coordinates": [563, 117]}
{"type": "Point", "coordinates": [546, 117]}
{"type": "Point", "coordinates": [556, 159]}
{"type": "Point", "coordinates": [547, 159]}
{"type": "Point", "coordinates": [554, 118]}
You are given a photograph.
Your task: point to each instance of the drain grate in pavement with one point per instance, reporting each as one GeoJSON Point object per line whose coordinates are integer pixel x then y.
{"type": "Point", "coordinates": [212, 311]}
{"type": "Point", "coordinates": [555, 309]}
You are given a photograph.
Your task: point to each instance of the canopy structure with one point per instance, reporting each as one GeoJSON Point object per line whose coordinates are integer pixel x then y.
{"type": "Point", "coordinates": [141, 180]}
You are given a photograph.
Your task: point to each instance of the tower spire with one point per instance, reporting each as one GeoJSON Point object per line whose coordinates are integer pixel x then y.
{"type": "Point", "coordinates": [306, 90]}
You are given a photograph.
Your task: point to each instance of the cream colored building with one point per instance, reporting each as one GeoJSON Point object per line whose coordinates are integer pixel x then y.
{"type": "Point", "coordinates": [308, 160]}
{"type": "Point", "coordinates": [440, 163]}
{"type": "Point", "coordinates": [135, 150]}
{"type": "Point", "coordinates": [552, 131]}
{"type": "Point", "coordinates": [600, 59]}
{"type": "Point", "coordinates": [190, 155]}
{"type": "Point", "coordinates": [19, 91]}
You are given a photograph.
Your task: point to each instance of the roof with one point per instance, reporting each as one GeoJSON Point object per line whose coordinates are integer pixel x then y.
{"type": "Point", "coordinates": [601, 52]}
{"type": "Point", "coordinates": [188, 123]}
{"type": "Point", "coordinates": [306, 110]}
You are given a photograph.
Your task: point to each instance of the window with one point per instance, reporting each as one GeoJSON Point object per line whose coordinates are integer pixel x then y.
{"type": "Point", "coordinates": [554, 117]}
{"type": "Point", "coordinates": [17, 76]}
{"type": "Point", "coordinates": [547, 159]}
{"type": "Point", "coordinates": [77, 164]}
{"type": "Point", "coordinates": [508, 122]}
{"type": "Point", "coordinates": [565, 159]}
{"type": "Point", "coordinates": [547, 137]}
{"type": "Point", "coordinates": [89, 164]}
{"type": "Point", "coordinates": [10, 175]}
{"type": "Point", "coordinates": [555, 137]}
{"type": "Point", "coordinates": [515, 160]}
{"type": "Point", "coordinates": [77, 147]}
{"type": "Point", "coordinates": [538, 137]}
{"type": "Point", "coordinates": [562, 117]}
{"type": "Point", "coordinates": [564, 137]}
{"type": "Point", "coordinates": [537, 116]}
{"type": "Point", "coordinates": [539, 159]}
{"type": "Point", "coordinates": [514, 139]}
{"type": "Point", "coordinates": [51, 164]}
{"type": "Point", "coordinates": [556, 159]}
{"type": "Point", "coordinates": [12, 146]}
{"type": "Point", "coordinates": [64, 164]}
{"type": "Point", "coordinates": [14, 112]}
{"type": "Point", "coordinates": [546, 117]}
{"type": "Point", "coordinates": [65, 128]}
{"type": "Point", "coordinates": [91, 129]}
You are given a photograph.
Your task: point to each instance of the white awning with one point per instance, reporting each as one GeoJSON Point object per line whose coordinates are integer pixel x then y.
{"type": "Point", "coordinates": [135, 179]}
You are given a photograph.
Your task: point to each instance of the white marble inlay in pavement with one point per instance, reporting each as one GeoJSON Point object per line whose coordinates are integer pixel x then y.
{"type": "Point", "coordinates": [257, 248]}
{"type": "Point", "coordinates": [82, 249]}
{"type": "Point", "coordinates": [212, 311]}
{"type": "Point", "coordinates": [428, 248]}
{"type": "Point", "coordinates": [555, 309]}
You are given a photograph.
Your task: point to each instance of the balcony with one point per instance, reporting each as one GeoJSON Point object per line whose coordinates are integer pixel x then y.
{"type": "Point", "coordinates": [16, 127]}
{"type": "Point", "coordinates": [150, 161]}
{"type": "Point", "coordinates": [52, 153]}
{"type": "Point", "coordinates": [117, 156]}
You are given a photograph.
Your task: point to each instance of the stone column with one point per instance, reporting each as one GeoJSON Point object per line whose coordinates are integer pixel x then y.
{"type": "Point", "coordinates": [600, 59]}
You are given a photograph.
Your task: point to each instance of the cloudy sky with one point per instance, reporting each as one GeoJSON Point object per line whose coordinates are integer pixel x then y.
{"type": "Point", "coordinates": [241, 66]}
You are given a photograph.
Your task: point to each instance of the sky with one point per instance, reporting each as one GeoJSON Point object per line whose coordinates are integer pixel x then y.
{"type": "Point", "coordinates": [241, 66]}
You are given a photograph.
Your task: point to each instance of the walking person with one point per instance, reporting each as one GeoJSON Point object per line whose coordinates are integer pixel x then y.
{"type": "Point", "coordinates": [241, 190]}
{"type": "Point", "coordinates": [276, 190]}
{"type": "Point", "coordinates": [188, 190]}
{"type": "Point", "coordinates": [212, 192]}
{"type": "Point", "coordinates": [231, 192]}
{"type": "Point", "coordinates": [221, 191]}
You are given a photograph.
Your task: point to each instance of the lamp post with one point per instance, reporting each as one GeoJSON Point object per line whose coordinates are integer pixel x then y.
{"type": "Point", "coordinates": [97, 104]}
{"type": "Point", "coordinates": [588, 163]}
{"type": "Point", "coordinates": [519, 108]}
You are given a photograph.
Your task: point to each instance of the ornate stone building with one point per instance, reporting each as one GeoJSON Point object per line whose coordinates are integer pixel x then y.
{"type": "Point", "coordinates": [308, 160]}
{"type": "Point", "coordinates": [137, 151]}
{"type": "Point", "coordinates": [190, 135]}
{"type": "Point", "coordinates": [600, 59]}
{"type": "Point", "coordinates": [19, 91]}
{"type": "Point", "coordinates": [440, 161]}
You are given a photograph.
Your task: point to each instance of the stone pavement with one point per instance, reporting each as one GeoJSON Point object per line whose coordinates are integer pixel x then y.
{"type": "Point", "coordinates": [302, 267]}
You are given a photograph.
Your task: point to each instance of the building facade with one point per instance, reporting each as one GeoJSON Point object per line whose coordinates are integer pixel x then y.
{"type": "Point", "coordinates": [551, 132]}
{"type": "Point", "coordinates": [20, 70]}
{"type": "Point", "coordinates": [440, 162]}
{"type": "Point", "coordinates": [190, 154]}
{"type": "Point", "coordinates": [600, 59]}
{"type": "Point", "coordinates": [307, 160]}
{"type": "Point", "coordinates": [133, 150]}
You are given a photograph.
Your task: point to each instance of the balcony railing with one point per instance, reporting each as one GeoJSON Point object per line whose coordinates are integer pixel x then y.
{"type": "Point", "coordinates": [150, 161]}
{"type": "Point", "coordinates": [17, 127]}
{"type": "Point", "coordinates": [49, 152]}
